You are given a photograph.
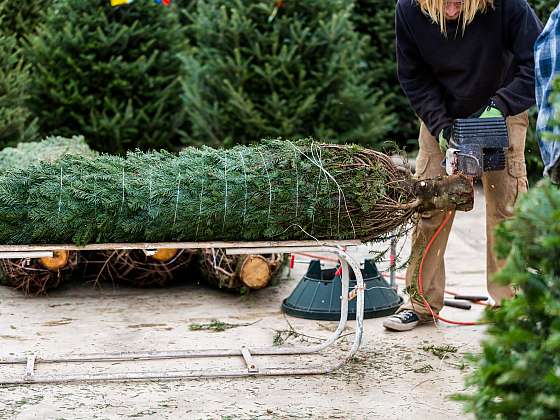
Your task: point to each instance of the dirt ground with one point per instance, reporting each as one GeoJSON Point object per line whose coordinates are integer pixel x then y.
{"type": "Point", "coordinates": [395, 375]}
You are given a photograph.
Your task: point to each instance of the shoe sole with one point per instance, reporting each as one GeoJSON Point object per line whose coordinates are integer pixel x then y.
{"type": "Point", "coordinates": [399, 326]}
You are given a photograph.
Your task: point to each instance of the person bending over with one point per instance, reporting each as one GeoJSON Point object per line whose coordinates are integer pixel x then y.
{"type": "Point", "coordinates": [459, 59]}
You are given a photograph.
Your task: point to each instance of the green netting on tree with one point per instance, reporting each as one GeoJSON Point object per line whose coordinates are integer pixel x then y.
{"type": "Point", "coordinates": [52, 148]}
{"type": "Point", "coordinates": [279, 190]}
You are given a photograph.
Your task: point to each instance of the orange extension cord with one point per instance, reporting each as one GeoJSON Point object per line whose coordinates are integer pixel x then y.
{"type": "Point", "coordinates": [421, 278]}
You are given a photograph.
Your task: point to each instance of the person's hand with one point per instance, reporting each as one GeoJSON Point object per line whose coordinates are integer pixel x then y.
{"type": "Point", "coordinates": [491, 112]}
{"type": "Point", "coordinates": [443, 139]}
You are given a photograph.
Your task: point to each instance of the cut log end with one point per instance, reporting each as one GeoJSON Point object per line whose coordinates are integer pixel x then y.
{"type": "Point", "coordinates": [455, 192]}
{"type": "Point", "coordinates": [255, 272]}
{"type": "Point", "coordinates": [164, 254]}
{"type": "Point", "coordinates": [58, 261]}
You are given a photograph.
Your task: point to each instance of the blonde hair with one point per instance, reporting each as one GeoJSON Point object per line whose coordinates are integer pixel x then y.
{"type": "Point", "coordinates": [435, 9]}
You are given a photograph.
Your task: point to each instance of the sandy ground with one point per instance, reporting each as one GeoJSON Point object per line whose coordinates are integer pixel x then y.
{"type": "Point", "coordinates": [394, 375]}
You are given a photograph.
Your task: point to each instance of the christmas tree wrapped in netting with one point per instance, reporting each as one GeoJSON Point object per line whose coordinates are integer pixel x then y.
{"type": "Point", "coordinates": [36, 276]}
{"type": "Point", "coordinates": [112, 74]}
{"type": "Point", "coordinates": [264, 68]}
{"type": "Point", "coordinates": [279, 190]}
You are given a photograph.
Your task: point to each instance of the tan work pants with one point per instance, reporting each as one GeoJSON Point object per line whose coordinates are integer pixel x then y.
{"type": "Point", "coordinates": [501, 189]}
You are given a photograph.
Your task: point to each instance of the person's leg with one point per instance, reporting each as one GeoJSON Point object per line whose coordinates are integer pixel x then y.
{"type": "Point", "coordinates": [501, 189]}
{"type": "Point", "coordinates": [428, 165]}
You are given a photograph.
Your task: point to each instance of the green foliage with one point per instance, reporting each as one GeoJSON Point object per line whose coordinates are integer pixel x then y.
{"type": "Point", "coordinates": [288, 69]}
{"type": "Point", "coordinates": [533, 160]}
{"type": "Point", "coordinates": [16, 123]}
{"type": "Point", "coordinates": [186, 10]}
{"type": "Point", "coordinates": [110, 73]}
{"type": "Point", "coordinates": [535, 167]}
{"type": "Point", "coordinates": [278, 190]}
{"type": "Point", "coordinates": [20, 18]}
{"type": "Point", "coordinates": [376, 20]}
{"type": "Point", "coordinates": [543, 8]}
{"type": "Point", "coordinates": [51, 149]}
{"type": "Point", "coordinates": [518, 373]}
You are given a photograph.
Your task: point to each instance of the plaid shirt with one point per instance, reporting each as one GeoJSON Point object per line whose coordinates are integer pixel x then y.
{"type": "Point", "coordinates": [547, 67]}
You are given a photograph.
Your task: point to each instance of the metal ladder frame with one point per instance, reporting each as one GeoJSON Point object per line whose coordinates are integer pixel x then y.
{"type": "Point", "coordinates": [247, 353]}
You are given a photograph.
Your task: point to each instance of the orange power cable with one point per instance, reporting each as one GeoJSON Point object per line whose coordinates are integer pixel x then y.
{"type": "Point", "coordinates": [421, 278]}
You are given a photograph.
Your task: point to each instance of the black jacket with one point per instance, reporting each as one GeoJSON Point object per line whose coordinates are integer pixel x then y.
{"type": "Point", "coordinates": [453, 77]}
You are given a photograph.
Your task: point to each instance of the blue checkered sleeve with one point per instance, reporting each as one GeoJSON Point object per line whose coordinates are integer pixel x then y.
{"type": "Point", "coordinates": [547, 68]}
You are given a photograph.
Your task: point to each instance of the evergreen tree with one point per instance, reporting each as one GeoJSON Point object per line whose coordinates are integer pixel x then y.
{"type": "Point", "coordinates": [16, 123]}
{"type": "Point", "coordinates": [283, 68]}
{"type": "Point", "coordinates": [535, 166]}
{"type": "Point", "coordinates": [518, 372]}
{"type": "Point", "coordinates": [109, 73]}
{"type": "Point", "coordinates": [376, 20]}
{"type": "Point", "coordinates": [186, 10]}
{"type": "Point", "coordinates": [275, 191]}
{"type": "Point", "coordinates": [21, 18]}
{"type": "Point", "coordinates": [24, 155]}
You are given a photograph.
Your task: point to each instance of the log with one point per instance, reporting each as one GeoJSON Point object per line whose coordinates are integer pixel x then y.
{"type": "Point", "coordinates": [234, 272]}
{"type": "Point", "coordinates": [135, 268]}
{"type": "Point", "coordinates": [36, 277]}
{"type": "Point", "coordinates": [58, 261]}
{"type": "Point", "coordinates": [164, 254]}
{"type": "Point", "coordinates": [455, 192]}
{"type": "Point", "coordinates": [255, 271]}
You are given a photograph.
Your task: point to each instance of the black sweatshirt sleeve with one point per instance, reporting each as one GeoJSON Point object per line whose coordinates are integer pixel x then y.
{"type": "Point", "coordinates": [522, 27]}
{"type": "Point", "coordinates": [423, 91]}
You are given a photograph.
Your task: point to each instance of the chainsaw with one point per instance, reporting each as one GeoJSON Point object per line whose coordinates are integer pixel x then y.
{"type": "Point", "coordinates": [477, 145]}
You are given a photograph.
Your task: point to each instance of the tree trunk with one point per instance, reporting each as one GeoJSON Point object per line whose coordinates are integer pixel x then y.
{"type": "Point", "coordinates": [58, 261]}
{"type": "Point", "coordinates": [233, 272]}
{"type": "Point", "coordinates": [455, 192]}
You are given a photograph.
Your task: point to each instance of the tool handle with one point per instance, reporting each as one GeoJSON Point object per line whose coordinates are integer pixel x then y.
{"type": "Point", "coordinates": [457, 304]}
{"type": "Point", "coordinates": [472, 298]}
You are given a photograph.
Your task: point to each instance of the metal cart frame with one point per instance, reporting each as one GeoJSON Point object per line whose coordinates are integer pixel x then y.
{"type": "Point", "coordinates": [337, 248]}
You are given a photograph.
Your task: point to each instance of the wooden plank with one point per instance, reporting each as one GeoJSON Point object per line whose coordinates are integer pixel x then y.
{"type": "Point", "coordinates": [278, 250]}
{"type": "Point", "coordinates": [176, 245]}
{"type": "Point", "coordinates": [26, 254]}
{"type": "Point", "coordinates": [30, 367]}
{"type": "Point", "coordinates": [249, 361]}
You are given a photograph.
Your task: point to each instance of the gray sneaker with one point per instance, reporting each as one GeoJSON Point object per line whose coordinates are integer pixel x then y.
{"type": "Point", "coordinates": [403, 321]}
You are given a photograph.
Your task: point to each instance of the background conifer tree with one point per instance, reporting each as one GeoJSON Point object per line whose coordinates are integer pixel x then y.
{"type": "Point", "coordinates": [16, 123]}
{"type": "Point", "coordinates": [280, 68]}
{"type": "Point", "coordinates": [109, 73]}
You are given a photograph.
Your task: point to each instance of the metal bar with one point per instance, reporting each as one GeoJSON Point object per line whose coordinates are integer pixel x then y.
{"type": "Point", "coordinates": [347, 262]}
{"type": "Point", "coordinates": [251, 366]}
{"type": "Point", "coordinates": [177, 245]}
{"type": "Point", "coordinates": [170, 375]}
{"type": "Point", "coordinates": [30, 368]}
{"type": "Point", "coordinates": [393, 264]}
{"type": "Point", "coordinates": [26, 254]}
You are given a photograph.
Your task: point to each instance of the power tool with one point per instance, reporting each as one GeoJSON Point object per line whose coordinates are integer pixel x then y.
{"type": "Point", "coordinates": [477, 145]}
